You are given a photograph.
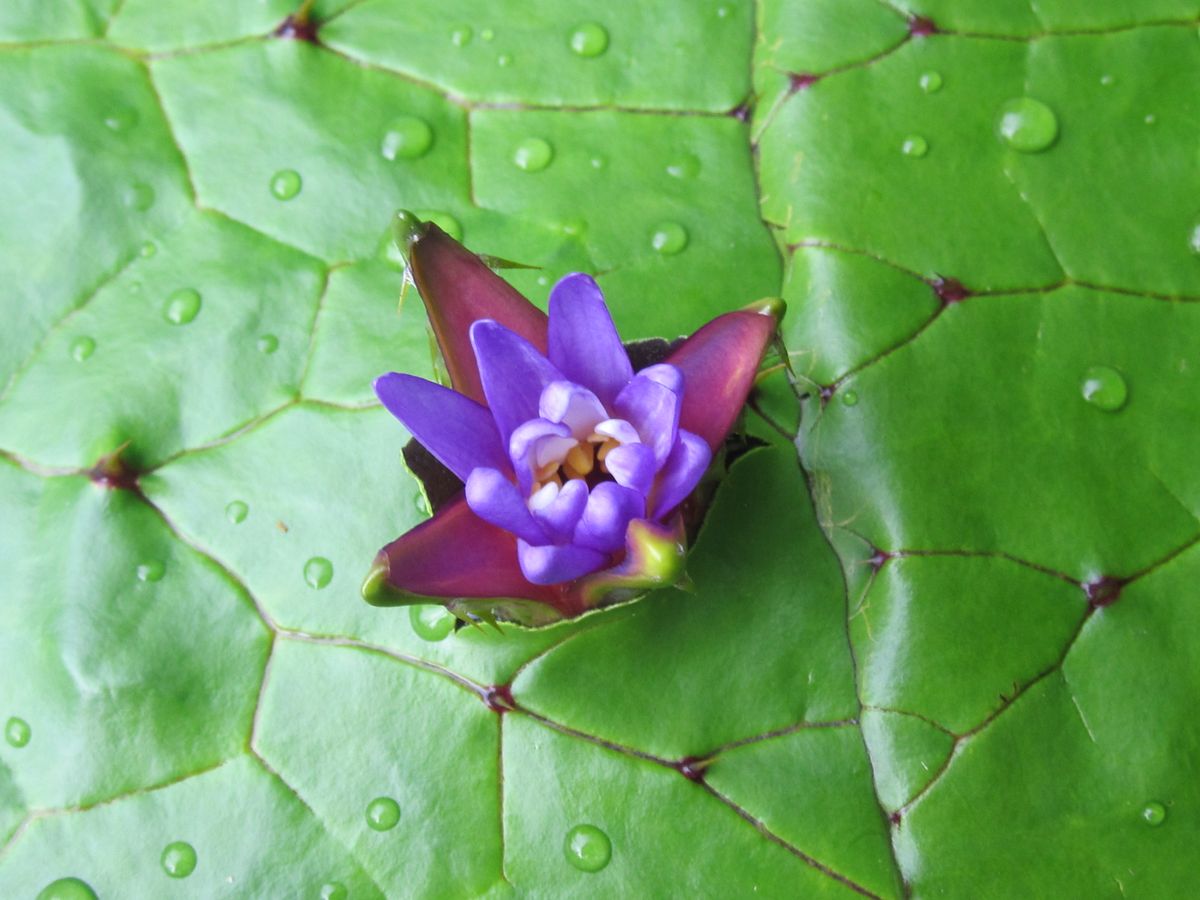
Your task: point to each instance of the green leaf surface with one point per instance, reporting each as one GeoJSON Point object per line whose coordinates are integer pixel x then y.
{"type": "Point", "coordinates": [942, 639]}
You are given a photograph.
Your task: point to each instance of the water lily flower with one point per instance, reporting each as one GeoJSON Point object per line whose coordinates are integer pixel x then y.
{"type": "Point", "coordinates": [575, 468]}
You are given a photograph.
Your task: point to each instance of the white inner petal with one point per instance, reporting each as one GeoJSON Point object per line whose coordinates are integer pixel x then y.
{"type": "Point", "coordinates": [619, 430]}
{"type": "Point", "coordinates": [544, 496]}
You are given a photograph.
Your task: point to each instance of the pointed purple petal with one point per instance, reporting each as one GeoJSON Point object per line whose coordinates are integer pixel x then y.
{"type": "Point", "coordinates": [558, 510]}
{"type": "Point", "coordinates": [584, 343]}
{"type": "Point", "coordinates": [495, 499]}
{"type": "Point", "coordinates": [532, 440]}
{"type": "Point", "coordinates": [610, 508]}
{"type": "Point", "coordinates": [575, 406]}
{"type": "Point", "coordinates": [654, 411]}
{"type": "Point", "coordinates": [514, 373]}
{"type": "Point", "coordinates": [554, 564]}
{"type": "Point", "coordinates": [633, 466]}
{"type": "Point", "coordinates": [458, 431]}
{"type": "Point", "coordinates": [682, 471]}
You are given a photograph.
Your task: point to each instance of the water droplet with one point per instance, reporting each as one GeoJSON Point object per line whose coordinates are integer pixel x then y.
{"type": "Point", "coordinates": [461, 35]}
{"type": "Point", "coordinates": [542, 280]}
{"type": "Point", "coordinates": [17, 732]}
{"type": "Point", "coordinates": [589, 39]}
{"type": "Point", "coordinates": [67, 889]}
{"type": "Point", "coordinates": [431, 623]}
{"type": "Point", "coordinates": [285, 184]}
{"type": "Point", "coordinates": [82, 348]}
{"type": "Point", "coordinates": [686, 166]}
{"type": "Point", "coordinates": [148, 249]}
{"type": "Point", "coordinates": [151, 571]}
{"type": "Point", "coordinates": [139, 196]}
{"type": "Point", "coordinates": [1104, 387]}
{"type": "Point", "coordinates": [572, 227]}
{"type": "Point", "coordinates": [1107, 80]}
{"type": "Point", "coordinates": [533, 155]}
{"type": "Point", "coordinates": [849, 398]}
{"type": "Point", "coordinates": [487, 34]}
{"type": "Point", "coordinates": [1194, 240]}
{"type": "Point", "coordinates": [504, 59]}
{"type": "Point", "coordinates": [383, 813]}
{"type": "Point", "coordinates": [587, 848]}
{"type": "Point", "coordinates": [236, 511]}
{"type": "Point", "coordinates": [722, 12]}
{"type": "Point", "coordinates": [334, 890]}
{"type": "Point", "coordinates": [318, 572]}
{"type": "Point", "coordinates": [179, 859]}
{"type": "Point", "coordinates": [599, 162]}
{"type": "Point", "coordinates": [1027, 125]}
{"type": "Point", "coordinates": [1150, 119]}
{"type": "Point", "coordinates": [914, 145]}
{"type": "Point", "coordinates": [182, 306]}
{"type": "Point", "coordinates": [1154, 813]}
{"type": "Point", "coordinates": [267, 344]}
{"type": "Point", "coordinates": [930, 82]}
{"type": "Point", "coordinates": [121, 119]}
{"type": "Point", "coordinates": [669, 238]}
{"type": "Point", "coordinates": [442, 220]}
{"type": "Point", "coordinates": [406, 138]}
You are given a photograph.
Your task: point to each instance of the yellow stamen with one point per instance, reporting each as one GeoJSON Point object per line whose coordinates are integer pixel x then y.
{"type": "Point", "coordinates": [579, 461]}
{"type": "Point", "coordinates": [607, 447]}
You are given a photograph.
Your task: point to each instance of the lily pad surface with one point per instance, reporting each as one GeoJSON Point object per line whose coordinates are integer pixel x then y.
{"type": "Point", "coordinates": [943, 635]}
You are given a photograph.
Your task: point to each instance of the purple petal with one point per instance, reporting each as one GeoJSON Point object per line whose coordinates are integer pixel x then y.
{"type": "Point", "coordinates": [619, 430]}
{"type": "Point", "coordinates": [654, 411]}
{"type": "Point", "coordinates": [558, 509]}
{"type": "Point", "coordinates": [532, 443]}
{"type": "Point", "coordinates": [576, 407]}
{"type": "Point", "coordinates": [633, 466]}
{"type": "Point", "coordinates": [495, 499]}
{"type": "Point", "coordinates": [610, 508]}
{"type": "Point", "coordinates": [681, 472]}
{"type": "Point", "coordinates": [458, 431]}
{"type": "Point", "coordinates": [584, 343]}
{"type": "Point", "coordinates": [666, 375]}
{"type": "Point", "coordinates": [552, 564]}
{"type": "Point", "coordinates": [513, 373]}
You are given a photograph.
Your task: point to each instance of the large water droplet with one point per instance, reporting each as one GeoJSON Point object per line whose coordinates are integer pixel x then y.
{"type": "Point", "coordinates": [1027, 125]}
{"type": "Point", "coordinates": [139, 196]}
{"type": "Point", "coordinates": [930, 82]}
{"type": "Point", "coordinates": [237, 511]}
{"type": "Point", "coordinates": [383, 813]}
{"type": "Point", "coordinates": [151, 571]}
{"type": "Point", "coordinates": [460, 35]}
{"type": "Point", "coordinates": [587, 848]}
{"type": "Point", "coordinates": [849, 399]}
{"type": "Point", "coordinates": [318, 572]}
{"type": "Point", "coordinates": [669, 238]}
{"type": "Point", "coordinates": [589, 39]}
{"type": "Point", "coordinates": [914, 145]}
{"type": "Point", "coordinates": [406, 138]}
{"type": "Point", "coordinates": [179, 859]}
{"type": "Point", "coordinates": [182, 306]}
{"type": "Point", "coordinates": [82, 348]}
{"type": "Point", "coordinates": [431, 623]}
{"type": "Point", "coordinates": [17, 732]}
{"type": "Point", "coordinates": [267, 344]}
{"type": "Point", "coordinates": [334, 890]}
{"type": "Point", "coordinates": [1154, 813]}
{"type": "Point", "coordinates": [286, 184]}
{"type": "Point", "coordinates": [1104, 387]}
{"type": "Point", "coordinates": [685, 166]}
{"type": "Point", "coordinates": [67, 889]}
{"type": "Point", "coordinates": [533, 154]}
{"type": "Point", "coordinates": [442, 220]}
{"type": "Point", "coordinates": [121, 119]}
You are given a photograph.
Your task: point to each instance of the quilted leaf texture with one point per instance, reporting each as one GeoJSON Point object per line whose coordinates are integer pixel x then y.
{"type": "Point", "coordinates": [943, 637]}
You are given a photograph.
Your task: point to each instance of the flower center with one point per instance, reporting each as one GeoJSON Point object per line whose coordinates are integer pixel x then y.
{"type": "Point", "coordinates": [583, 460]}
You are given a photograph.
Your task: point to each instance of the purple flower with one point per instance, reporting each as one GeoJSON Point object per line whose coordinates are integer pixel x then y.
{"type": "Point", "coordinates": [574, 466]}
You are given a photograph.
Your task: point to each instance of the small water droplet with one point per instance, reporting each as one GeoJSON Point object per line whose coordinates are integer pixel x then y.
{"type": "Point", "coordinates": [930, 82]}
{"type": "Point", "coordinates": [121, 119]}
{"type": "Point", "coordinates": [1107, 80]}
{"type": "Point", "coordinates": [17, 732]}
{"type": "Point", "coordinates": [285, 184]}
{"type": "Point", "coordinates": [267, 344]}
{"type": "Point", "coordinates": [151, 571]}
{"type": "Point", "coordinates": [179, 859]}
{"type": "Point", "coordinates": [318, 572]}
{"type": "Point", "coordinates": [504, 59]}
{"type": "Point", "coordinates": [686, 166]}
{"type": "Point", "coordinates": [669, 238]}
{"type": "Point", "coordinates": [572, 227]}
{"type": "Point", "coordinates": [1154, 813]}
{"type": "Point", "coordinates": [542, 280]}
{"type": "Point", "coordinates": [334, 890]}
{"type": "Point", "coordinates": [1104, 387]}
{"type": "Point", "coordinates": [461, 35]}
{"type": "Point", "coordinates": [587, 848]}
{"type": "Point", "coordinates": [914, 145]}
{"type": "Point", "coordinates": [849, 398]}
{"type": "Point", "coordinates": [487, 34]}
{"type": "Point", "coordinates": [1194, 239]}
{"type": "Point", "coordinates": [442, 220]}
{"type": "Point", "coordinates": [237, 511]}
{"type": "Point", "coordinates": [383, 813]}
{"type": "Point", "coordinates": [431, 623]}
{"type": "Point", "coordinates": [139, 196]}
{"type": "Point", "coordinates": [148, 249]}
{"type": "Point", "coordinates": [599, 162]}
{"type": "Point", "coordinates": [1150, 119]}
{"type": "Point", "coordinates": [533, 154]}
{"type": "Point", "coordinates": [722, 12]}
{"type": "Point", "coordinates": [406, 138]}
{"type": "Point", "coordinates": [1027, 125]}
{"type": "Point", "coordinates": [82, 348]}
{"type": "Point", "coordinates": [589, 39]}
{"type": "Point", "coordinates": [182, 306]}
{"type": "Point", "coordinates": [67, 889]}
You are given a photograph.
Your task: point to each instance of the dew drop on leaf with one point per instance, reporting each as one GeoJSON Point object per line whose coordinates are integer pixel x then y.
{"type": "Point", "coordinates": [533, 154]}
{"type": "Point", "coordinates": [1027, 125]}
{"type": "Point", "coordinates": [460, 35]}
{"type": "Point", "coordinates": [1154, 813]}
{"type": "Point", "coordinates": [267, 344]}
{"type": "Point", "coordinates": [17, 732]}
{"type": "Point", "coordinates": [849, 398]}
{"type": "Point", "coordinates": [237, 511]}
{"type": "Point", "coordinates": [179, 859]}
{"type": "Point", "coordinates": [431, 623]}
{"type": "Point", "coordinates": [1104, 388]}
{"type": "Point", "coordinates": [930, 82]}
{"type": "Point", "coordinates": [285, 184]}
{"type": "Point", "coordinates": [182, 306]}
{"type": "Point", "coordinates": [669, 238]}
{"type": "Point", "coordinates": [406, 138]}
{"type": "Point", "coordinates": [685, 166]}
{"type": "Point", "coordinates": [587, 848]}
{"type": "Point", "coordinates": [318, 572]}
{"type": "Point", "coordinates": [148, 249]}
{"type": "Point", "coordinates": [67, 889]}
{"type": "Point", "coordinates": [487, 34]}
{"type": "Point", "coordinates": [334, 890]}
{"type": "Point", "coordinates": [383, 813]}
{"type": "Point", "coordinates": [914, 145]}
{"type": "Point", "coordinates": [82, 348]}
{"type": "Point", "coordinates": [1194, 239]}
{"type": "Point", "coordinates": [503, 60]}
{"type": "Point", "coordinates": [589, 39]}
{"type": "Point", "coordinates": [121, 119]}
{"type": "Point", "coordinates": [139, 196]}
{"type": "Point", "coordinates": [151, 571]}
